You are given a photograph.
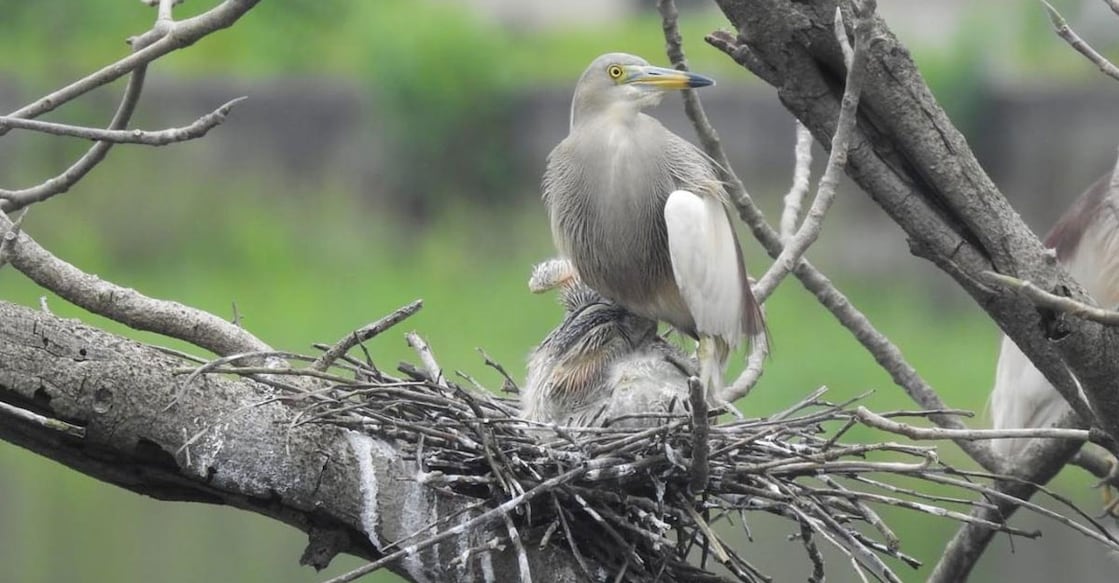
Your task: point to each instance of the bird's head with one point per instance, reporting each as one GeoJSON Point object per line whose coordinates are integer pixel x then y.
{"type": "Point", "coordinates": [620, 82]}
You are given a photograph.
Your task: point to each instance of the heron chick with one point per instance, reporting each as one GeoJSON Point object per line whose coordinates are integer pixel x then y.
{"type": "Point", "coordinates": [1086, 241]}
{"type": "Point", "coordinates": [640, 213]}
{"type": "Point", "coordinates": [602, 364]}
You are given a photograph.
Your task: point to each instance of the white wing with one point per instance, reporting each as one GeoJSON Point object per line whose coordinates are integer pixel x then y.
{"type": "Point", "coordinates": [704, 253]}
{"type": "Point", "coordinates": [1021, 398]}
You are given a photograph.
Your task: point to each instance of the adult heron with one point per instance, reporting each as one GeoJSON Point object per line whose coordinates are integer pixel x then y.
{"type": "Point", "coordinates": [640, 212]}
{"type": "Point", "coordinates": [1086, 240]}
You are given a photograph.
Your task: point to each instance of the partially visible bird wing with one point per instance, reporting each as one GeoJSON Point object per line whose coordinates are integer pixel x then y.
{"type": "Point", "coordinates": [707, 265]}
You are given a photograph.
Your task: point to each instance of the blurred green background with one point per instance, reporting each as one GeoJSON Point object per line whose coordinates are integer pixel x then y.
{"type": "Point", "coordinates": [431, 194]}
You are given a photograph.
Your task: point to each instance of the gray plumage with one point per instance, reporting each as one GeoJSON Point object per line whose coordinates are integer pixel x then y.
{"type": "Point", "coordinates": [606, 187]}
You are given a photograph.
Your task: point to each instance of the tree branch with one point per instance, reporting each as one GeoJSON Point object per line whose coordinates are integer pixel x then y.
{"type": "Point", "coordinates": [1063, 30]}
{"type": "Point", "coordinates": [124, 305]}
{"type": "Point", "coordinates": [251, 452]}
{"type": "Point", "coordinates": [195, 130]}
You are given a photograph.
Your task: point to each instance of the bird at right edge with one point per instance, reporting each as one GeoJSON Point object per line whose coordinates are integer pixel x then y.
{"type": "Point", "coordinates": [640, 213]}
{"type": "Point", "coordinates": [1086, 240]}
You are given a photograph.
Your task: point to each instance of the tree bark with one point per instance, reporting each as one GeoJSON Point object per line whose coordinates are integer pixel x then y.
{"type": "Point", "coordinates": [226, 441]}
{"type": "Point", "coordinates": [911, 160]}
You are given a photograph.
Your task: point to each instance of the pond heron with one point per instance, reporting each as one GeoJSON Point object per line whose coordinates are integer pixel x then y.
{"type": "Point", "coordinates": [641, 213]}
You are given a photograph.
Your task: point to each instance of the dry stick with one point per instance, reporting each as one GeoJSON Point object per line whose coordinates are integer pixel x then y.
{"type": "Point", "coordinates": [363, 334]}
{"type": "Point", "coordinates": [1045, 299]}
{"type": "Point", "coordinates": [125, 305]}
{"type": "Point", "coordinates": [885, 352]}
{"type": "Point", "coordinates": [502, 509]}
{"type": "Point", "coordinates": [1062, 29]}
{"type": "Point", "coordinates": [802, 172]}
{"type": "Point", "coordinates": [700, 471]}
{"type": "Point", "coordinates": [195, 130]}
{"type": "Point", "coordinates": [431, 368]}
{"type": "Point", "coordinates": [522, 557]}
{"type": "Point", "coordinates": [47, 422]}
{"type": "Point", "coordinates": [869, 418]}
{"type": "Point", "coordinates": [14, 199]}
{"type": "Point", "coordinates": [837, 160]}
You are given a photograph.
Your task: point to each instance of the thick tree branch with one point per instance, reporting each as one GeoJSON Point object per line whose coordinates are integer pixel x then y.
{"type": "Point", "coordinates": [910, 159]}
{"type": "Point", "coordinates": [352, 493]}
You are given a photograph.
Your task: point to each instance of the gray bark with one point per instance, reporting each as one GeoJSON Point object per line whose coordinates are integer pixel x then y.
{"type": "Point", "coordinates": [350, 493]}
{"type": "Point", "coordinates": [911, 160]}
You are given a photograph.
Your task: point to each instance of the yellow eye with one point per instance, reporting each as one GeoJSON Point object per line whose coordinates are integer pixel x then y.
{"type": "Point", "coordinates": [614, 71]}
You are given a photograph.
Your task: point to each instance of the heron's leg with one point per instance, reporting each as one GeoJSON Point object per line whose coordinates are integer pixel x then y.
{"type": "Point", "coordinates": [711, 362]}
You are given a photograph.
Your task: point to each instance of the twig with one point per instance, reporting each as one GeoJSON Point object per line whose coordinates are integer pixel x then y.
{"type": "Point", "coordinates": [879, 422]}
{"type": "Point", "coordinates": [431, 368]}
{"type": "Point", "coordinates": [755, 366]}
{"type": "Point", "coordinates": [183, 34]}
{"type": "Point", "coordinates": [837, 160]}
{"type": "Point", "coordinates": [522, 557]}
{"type": "Point", "coordinates": [47, 422]}
{"type": "Point", "coordinates": [125, 305]}
{"type": "Point", "coordinates": [1064, 31]}
{"type": "Point", "coordinates": [802, 171]}
{"type": "Point", "coordinates": [363, 334]}
{"type": "Point", "coordinates": [195, 130]}
{"type": "Point", "coordinates": [700, 430]}
{"type": "Point", "coordinates": [10, 236]}
{"type": "Point", "coordinates": [509, 386]}
{"type": "Point", "coordinates": [15, 199]}
{"type": "Point", "coordinates": [1044, 299]}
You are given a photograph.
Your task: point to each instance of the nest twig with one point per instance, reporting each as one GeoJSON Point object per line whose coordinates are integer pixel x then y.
{"type": "Point", "coordinates": [625, 499]}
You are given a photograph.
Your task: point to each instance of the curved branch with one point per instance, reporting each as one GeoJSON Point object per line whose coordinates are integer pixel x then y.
{"type": "Point", "coordinates": [124, 305]}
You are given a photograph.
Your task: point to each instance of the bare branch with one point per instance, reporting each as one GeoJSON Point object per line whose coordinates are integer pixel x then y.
{"type": "Point", "coordinates": [837, 159]}
{"type": "Point", "coordinates": [15, 199]}
{"type": "Point", "coordinates": [1044, 299]}
{"type": "Point", "coordinates": [431, 368]}
{"type": "Point", "coordinates": [125, 305]}
{"type": "Point", "coordinates": [47, 422]}
{"type": "Point", "coordinates": [794, 199]}
{"type": "Point", "coordinates": [195, 130]}
{"type": "Point", "coordinates": [913, 432]}
{"type": "Point", "coordinates": [755, 366]}
{"type": "Point", "coordinates": [363, 334]}
{"type": "Point", "coordinates": [182, 34]}
{"type": "Point", "coordinates": [1064, 31]}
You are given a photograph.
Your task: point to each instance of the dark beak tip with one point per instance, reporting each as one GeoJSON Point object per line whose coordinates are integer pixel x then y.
{"type": "Point", "coordinates": [696, 81]}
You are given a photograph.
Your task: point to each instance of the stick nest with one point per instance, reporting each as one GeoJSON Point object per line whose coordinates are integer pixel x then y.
{"type": "Point", "coordinates": [638, 504]}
